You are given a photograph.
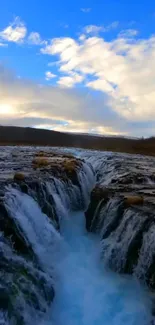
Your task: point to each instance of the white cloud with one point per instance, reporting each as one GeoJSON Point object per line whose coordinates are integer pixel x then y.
{"type": "Point", "coordinates": [94, 29]}
{"type": "Point", "coordinates": [58, 44]}
{"type": "Point", "coordinates": [113, 25]}
{"type": "Point", "coordinates": [82, 37]}
{"type": "Point", "coordinates": [49, 75]}
{"type": "Point", "coordinates": [123, 68]}
{"type": "Point", "coordinates": [70, 81]}
{"type": "Point", "coordinates": [81, 127]}
{"type": "Point", "coordinates": [89, 29]}
{"type": "Point", "coordinates": [102, 85]}
{"type": "Point", "coordinates": [54, 63]}
{"type": "Point", "coordinates": [28, 104]}
{"type": "Point", "coordinates": [86, 10]}
{"type": "Point", "coordinates": [15, 32]}
{"type": "Point", "coordinates": [25, 103]}
{"type": "Point", "coordinates": [35, 39]}
{"type": "Point", "coordinates": [3, 44]}
{"type": "Point", "coordinates": [127, 33]}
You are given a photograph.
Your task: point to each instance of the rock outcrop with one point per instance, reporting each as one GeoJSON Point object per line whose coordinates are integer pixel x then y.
{"type": "Point", "coordinates": [121, 211]}
{"type": "Point", "coordinates": [36, 189]}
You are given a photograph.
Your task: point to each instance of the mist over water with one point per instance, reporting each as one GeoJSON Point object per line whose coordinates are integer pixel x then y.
{"type": "Point", "coordinates": [88, 294]}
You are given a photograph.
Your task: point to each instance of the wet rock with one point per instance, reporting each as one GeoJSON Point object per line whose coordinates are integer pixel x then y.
{"type": "Point", "coordinates": [121, 210]}
{"type": "Point", "coordinates": [98, 195]}
{"type": "Point", "coordinates": [40, 162]}
{"type": "Point", "coordinates": [133, 200]}
{"type": "Point", "coordinates": [24, 188]}
{"type": "Point", "coordinates": [121, 227]}
{"type": "Point", "coordinates": [4, 298]}
{"type": "Point", "coordinates": [19, 177]}
{"type": "Point", "coordinates": [51, 179]}
{"type": "Point", "coordinates": [13, 232]}
{"type": "Point", "coordinates": [23, 288]}
{"type": "Point", "coordinates": [38, 191]}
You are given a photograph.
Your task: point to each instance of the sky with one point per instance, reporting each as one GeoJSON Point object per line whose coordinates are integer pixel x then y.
{"type": "Point", "coordinates": [78, 66]}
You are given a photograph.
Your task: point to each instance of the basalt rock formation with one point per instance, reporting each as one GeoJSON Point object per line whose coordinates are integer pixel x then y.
{"type": "Point", "coordinates": [36, 188]}
{"type": "Point", "coordinates": [122, 212]}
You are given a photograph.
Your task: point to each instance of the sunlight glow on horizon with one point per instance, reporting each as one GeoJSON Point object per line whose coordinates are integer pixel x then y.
{"type": "Point", "coordinates": [6, 109]}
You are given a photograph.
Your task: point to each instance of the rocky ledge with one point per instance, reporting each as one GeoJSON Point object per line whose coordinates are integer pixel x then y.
{"type": "Point", "coordinates": [36, 186]}
{"type": "Point", "coordinates": [122, 211]}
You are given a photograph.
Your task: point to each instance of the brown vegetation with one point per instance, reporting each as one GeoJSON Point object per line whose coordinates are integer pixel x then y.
{"type": "Point", "coordinates": [40, 154]}
{"type": "Point", "coordinates": [70, 165]}
{"type": "Point", "coordinates": [40, 162]}
{"type": "Point", "coordinates": [133, 200]}
{"type": "Point", "coordinates": [19, 177]}
{"type": "Point", "coordinates": [53, 154]}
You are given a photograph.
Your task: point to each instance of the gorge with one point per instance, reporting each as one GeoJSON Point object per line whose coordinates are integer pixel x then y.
{"type": "Point", "coordinates": [76, 237]}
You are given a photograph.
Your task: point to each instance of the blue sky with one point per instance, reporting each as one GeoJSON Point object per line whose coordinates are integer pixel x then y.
{"type": "Point", "coordinates": [80, 66]}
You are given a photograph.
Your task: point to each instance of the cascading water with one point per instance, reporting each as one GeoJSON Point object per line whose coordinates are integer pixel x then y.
{"type": "Point", "coordinates": [37, 228]}
{"type": "Point", "coordinates": [69, 260]}
{"type": "Point", "coordinates": [117, 245]}
{"type": "Point", "coordinates": [88, 294]}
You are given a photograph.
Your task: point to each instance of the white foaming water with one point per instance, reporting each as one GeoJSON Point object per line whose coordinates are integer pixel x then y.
{"type": "Point", "coordinates": [146, 253]}
{"type": "Point", "coordinates": [88, 294]}
{"type": "Point", "coordinates": [35, 225]}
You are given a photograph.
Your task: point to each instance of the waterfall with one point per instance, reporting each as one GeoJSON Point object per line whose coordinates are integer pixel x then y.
{"type": "Point", "coordinates": [126, 230]}
{"type": "Point", "coordinates": [35, 214]}
{"type": "Point", "coordinates": [36, 226]}
{"type": "Point", "coordinates": [24, 288]}
{"type": "Point", "coordinates": [87, 181]}
{"type": "Point", "coordinates": [86, 292]}
{"type": "Point", "coordinates": [52, 271]}
{"type": "Point", "coordinates": [119, 245]}
{"type": "Point", "coordinates": [144, 269]}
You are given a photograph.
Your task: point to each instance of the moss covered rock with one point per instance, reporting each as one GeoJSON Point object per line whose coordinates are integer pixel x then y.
{"type": "Point", "coordinates": [19, 177]}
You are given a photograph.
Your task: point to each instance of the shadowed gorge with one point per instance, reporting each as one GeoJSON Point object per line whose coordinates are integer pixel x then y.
{"type": "Point", "coordinates": [76, 237]}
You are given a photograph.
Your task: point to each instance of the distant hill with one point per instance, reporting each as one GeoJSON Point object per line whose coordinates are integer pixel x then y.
{"type": "Point", "coordinates": [10, 135]}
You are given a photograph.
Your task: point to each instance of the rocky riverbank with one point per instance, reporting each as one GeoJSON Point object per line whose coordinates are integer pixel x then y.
{"type": "Point", "coordinates": [36, 188]}
{"type": "Point", "coordinates": [121, 210]}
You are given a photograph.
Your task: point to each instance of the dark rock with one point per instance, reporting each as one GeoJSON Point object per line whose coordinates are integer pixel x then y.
{"type": "Point", "coordinates": [14, 233]}
{"type": "Point", "coordinates": [123, 212]}
{"type": "Point", "coordinates": [97, 195]}
{"type": "Point", "coordinates": [19, 177]}
{"type": "Point", "coordinates": [133, 200]}
{"type": "Point", "coordinates": [22, 284]}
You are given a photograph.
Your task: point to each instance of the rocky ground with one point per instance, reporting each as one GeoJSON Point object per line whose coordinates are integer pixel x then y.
{"type": "Point", "coordinates": [122, 211]}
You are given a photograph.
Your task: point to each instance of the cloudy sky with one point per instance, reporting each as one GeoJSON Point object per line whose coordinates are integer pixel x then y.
{"type": "Point", "coordinates": [79, 66]}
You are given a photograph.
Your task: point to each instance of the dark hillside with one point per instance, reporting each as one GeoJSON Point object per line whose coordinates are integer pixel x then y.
{"type": "Point", "coordinates": [10, 135]}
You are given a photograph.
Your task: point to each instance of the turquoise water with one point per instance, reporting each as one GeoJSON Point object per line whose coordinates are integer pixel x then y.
{"type": "Point", "coordinates": [86, 293]}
